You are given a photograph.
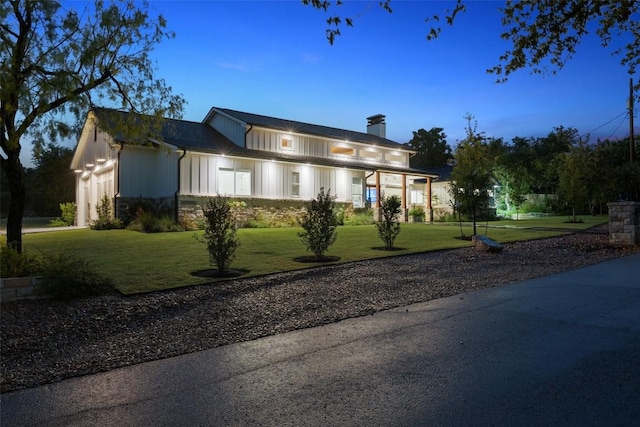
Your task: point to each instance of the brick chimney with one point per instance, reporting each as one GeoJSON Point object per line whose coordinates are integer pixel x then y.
{"type": "Point", "coordinates": [376, 125]}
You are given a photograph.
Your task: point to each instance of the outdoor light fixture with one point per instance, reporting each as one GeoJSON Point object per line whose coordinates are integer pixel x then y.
{"type": "Point", "coordinates": [101, 160]}
{"type": "Point", "coordinates": [78, 170]}
{"type": "Point", "coordinates": [89, 165]}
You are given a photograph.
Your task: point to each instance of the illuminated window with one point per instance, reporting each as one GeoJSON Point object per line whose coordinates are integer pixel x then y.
{"type": "Point", "coordinates": [399, 158]}
{"type": "Point", "coordinates": [286, 144]}
{"type": "Point", "coordinates": [356, 192]}
{"type": "Point", "coordinates": [344, 151]}
{"type": "Point", "coordinates": [295, 184]}
{"type": "Point", "coordinates": [370, 155]}
{"type": "Point", "coordinates": [234, 182]}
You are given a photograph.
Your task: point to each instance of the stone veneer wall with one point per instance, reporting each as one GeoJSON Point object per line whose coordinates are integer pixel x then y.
{"type": "Point", "coordinates": [624, 223]}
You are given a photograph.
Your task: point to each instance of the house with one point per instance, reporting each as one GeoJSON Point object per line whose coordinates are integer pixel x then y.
{"type": "Point", "coordinates": [244, 156]}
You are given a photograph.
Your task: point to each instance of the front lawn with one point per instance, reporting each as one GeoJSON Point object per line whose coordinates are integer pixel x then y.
{"type": "Point", "coordinates": [139, 262]}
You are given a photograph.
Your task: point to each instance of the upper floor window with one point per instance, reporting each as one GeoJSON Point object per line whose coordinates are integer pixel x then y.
{"type": "Point", "coordinates": [344, 151]}
{"type": "Point", "coordinates": [395, 157]}
{"type": "Point", "coordinates": [370, 155]}
{"type": "Point", "coordinates": [286, 143]}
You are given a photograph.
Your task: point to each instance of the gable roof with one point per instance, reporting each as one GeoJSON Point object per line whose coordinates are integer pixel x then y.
{"type": "Point", "coordinates": [307, 128]}
{"type": "Point", "coordinates": [200, 137]}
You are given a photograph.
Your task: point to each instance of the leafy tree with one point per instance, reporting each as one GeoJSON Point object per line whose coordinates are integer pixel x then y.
{"type": "Point", "coordinates": [544, 34]}
{"type": "Point", "coordinates": [431, 146]}
{"type": "Point", "coordinates": [574, 168]}
{"type": "Point", "coordinates": [55, 62]}
{"type": "Point", "coordinates": [320, 224]}
{"type": "Point", "coordinates": [545, 161]}
{"type": "Point", "coordinates": [51, 182]}
{"type": "Point", "coordinates": [220, 233]}
{"type": "Point", "coordinates": [389, 225]}
{"type": "Point", "coordinates": [471, 177]}
{"type": "Point", "coordinates": [512, 171]}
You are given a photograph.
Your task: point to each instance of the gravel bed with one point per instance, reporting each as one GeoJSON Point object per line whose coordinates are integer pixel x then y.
{"type": "Point", "coordinates": [45, 341]}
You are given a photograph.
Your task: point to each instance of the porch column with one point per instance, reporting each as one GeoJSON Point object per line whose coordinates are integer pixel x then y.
{"type": "Point", "coordinates": [404, 198]}
{"type": "Point", "coordinates": [429, 210]}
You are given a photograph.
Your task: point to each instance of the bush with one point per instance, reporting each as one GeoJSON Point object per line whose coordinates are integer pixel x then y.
{"type": "Point", "coordinates": [68, 215]}
{"type": "Point", "coordinates": [220, 233]}
{"type": "Point", "coordinates": [147, 222]}
{"type": "Point", "coordinates": [389, 226]}
{"type": "Point", "coordinates": [417, 213]}
{"type": "Point", "coordinates": [364, 217]}
{"type": "Point", "coordinates": [105, 220]}
{"type": "Point", "coordinates": [15, 264]}
{"type": "Point", "coordinates": [319, 223]}
{"type": "Point", "coordinates": [66, 275]}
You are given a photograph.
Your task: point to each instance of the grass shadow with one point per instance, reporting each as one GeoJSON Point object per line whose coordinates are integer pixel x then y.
{"type": "Point", "coordinates": [313, 258]}
{"type": "Point", "coordinates": [214, 273]}
{"type": "Point", "coordinates": [384, 248]}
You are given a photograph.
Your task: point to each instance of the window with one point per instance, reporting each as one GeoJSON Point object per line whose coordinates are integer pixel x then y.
{"type": "Point", "coordinates": [370, 155]}
{"type": "Point", "coordinates": [295, 184]}
{"type": "Point", "coordinates": [417, 197]}
{"type": "Point", "coordinates": [395, 157]}
{"type": "Point", "coordinates": [286, 144]}
{"type": "Point", "coordinates": [356, 192]}
{"type": "Point", "coordinates": [345, 151]}
{"type": "Point", "coordinates": [234, 182]}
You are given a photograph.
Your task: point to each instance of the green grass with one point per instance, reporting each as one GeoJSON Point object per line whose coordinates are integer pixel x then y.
{"type": "Point", "coordinates": [139, 262]}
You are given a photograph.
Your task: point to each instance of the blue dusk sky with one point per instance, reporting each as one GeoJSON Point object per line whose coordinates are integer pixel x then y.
{"type": "Point", "coordinates": [272, 58]}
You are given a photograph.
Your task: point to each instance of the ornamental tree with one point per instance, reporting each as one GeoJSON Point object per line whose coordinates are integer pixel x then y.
{"type": "Point", "coordinates": [220, 233]}
{"type": "Point", "coordinates": [389, 225]}
{"type": "Point", "coordinates": [319, 223]}
{"type": "Point", "coordinates": [55, 62]}
{"type": "Point", "coordinates": [471, 177]}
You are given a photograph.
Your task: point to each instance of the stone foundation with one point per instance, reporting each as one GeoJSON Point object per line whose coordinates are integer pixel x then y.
{"type": "Point", "coordinates": [17, 288]}
{"type": "Point", "coordinates": [624, 223]}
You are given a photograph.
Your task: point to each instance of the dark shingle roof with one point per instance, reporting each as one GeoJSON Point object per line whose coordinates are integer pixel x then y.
{"type": "Point", "coordinates": [310, 129]}
{"type": "Point", "coordinates": [200, 137]}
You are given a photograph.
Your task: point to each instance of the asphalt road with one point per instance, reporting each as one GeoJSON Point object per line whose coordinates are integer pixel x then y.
{"type": "Point", "coordinates": [559, 350]}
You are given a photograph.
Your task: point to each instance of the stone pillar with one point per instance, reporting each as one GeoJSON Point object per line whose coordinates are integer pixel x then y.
{"type": "Point", "coordinates": [624, 223]}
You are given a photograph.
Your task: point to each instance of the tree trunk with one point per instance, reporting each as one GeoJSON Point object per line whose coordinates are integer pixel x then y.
{"type": "Point", "coordinates": [15, 176]}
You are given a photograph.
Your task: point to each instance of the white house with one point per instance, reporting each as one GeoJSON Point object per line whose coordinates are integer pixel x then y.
{"type": "Point", "coordinates": [244, 155]}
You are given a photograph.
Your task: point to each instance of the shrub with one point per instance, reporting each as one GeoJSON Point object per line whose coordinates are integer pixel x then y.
{"type": "Point", "coordinates": [105, 220]}
{"type": "Point", "coordinates": [147, 222]}
{"type": "Point", "coordinates": [319, 223]}
{"type": "Point", "coordinates": [68, 215]}
{"type": "Point", "coordinates": [220, 233]}
{"type": "Point", "coordinates": [364, 217]}
{"type": "Point", "coordinates": [16, 264]}
{"type": "Point", "coordinates": [417, 213]}
{"type": "Point", "coordinates": [389, 226]}
{"type": "Point", "coordinates": [67, 275]}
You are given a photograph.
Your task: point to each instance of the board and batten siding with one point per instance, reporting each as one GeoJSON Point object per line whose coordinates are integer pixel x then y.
{"type": "Point", "coordinates": [229, 127]}
{"type": "Point", "coordinates": [310, 146]}
{"type": "Point", "coordinates": [200, 176]}
{"type": "Point", "coordinates": [148, 172]}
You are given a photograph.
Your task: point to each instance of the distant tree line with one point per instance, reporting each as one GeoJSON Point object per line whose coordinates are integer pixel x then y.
{"type": "Point", "coordinates": [582, 177]}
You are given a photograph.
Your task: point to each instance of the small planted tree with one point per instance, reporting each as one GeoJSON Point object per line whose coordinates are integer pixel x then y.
{"type": "Point", "coordinates": [389, 225]}
{"type": "Point", "coordinates": [320, 224]}
{"type": "Point", "coordinates": [220, 233]}
{"type": "Point", "coordinates": [106, 220]}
